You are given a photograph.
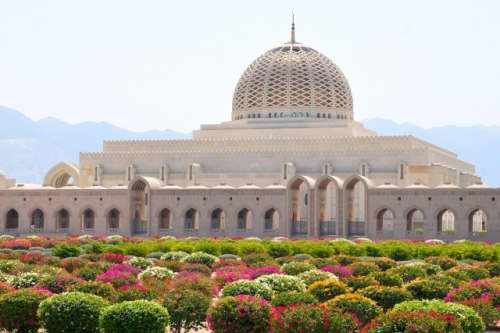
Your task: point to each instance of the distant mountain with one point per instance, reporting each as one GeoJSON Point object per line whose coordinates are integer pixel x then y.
{"type": "Point", "coordinates": [29, 148]}
{"type": "Point", "coordinates": [479, 145]}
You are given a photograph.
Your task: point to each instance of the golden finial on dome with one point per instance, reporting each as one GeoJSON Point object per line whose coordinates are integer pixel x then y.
{"type": "Point", "coordinates": [293, 28]}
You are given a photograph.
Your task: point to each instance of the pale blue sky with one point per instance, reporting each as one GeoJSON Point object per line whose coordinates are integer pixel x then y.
{"type": "Point", "coordinates": [174, 64]}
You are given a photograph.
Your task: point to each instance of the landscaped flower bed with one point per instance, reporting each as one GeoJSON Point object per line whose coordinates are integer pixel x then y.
{"type": "Point", "coordinates": [96, 283]}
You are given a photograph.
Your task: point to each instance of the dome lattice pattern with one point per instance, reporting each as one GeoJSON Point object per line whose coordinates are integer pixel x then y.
{"type": "Point", "coordinates": [292, 76]}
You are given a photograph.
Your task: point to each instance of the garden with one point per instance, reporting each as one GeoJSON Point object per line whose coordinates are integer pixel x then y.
{"type": "Point", "coordinates": [119, 284]}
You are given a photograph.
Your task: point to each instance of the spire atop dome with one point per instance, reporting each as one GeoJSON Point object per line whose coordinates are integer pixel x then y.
{"type": "Point", "coordinates": [293, 28]}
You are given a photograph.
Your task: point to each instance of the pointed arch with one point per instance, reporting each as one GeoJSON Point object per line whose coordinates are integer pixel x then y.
{"type": "Point", "coordinates": [113, 220]}
{"type": "Point", "coordinates": [355, 204]}
{"type": "Point", "coordinates": [37, 222]}
{"type": "Point", "coordinates": [415, 218]}
{"type": "Point", "coordinates": [244, 219]}
{"type": "Point", "coordinates": [12, 220]}
{"type": "Point", "coordinates": [217, 219]}
{"type": "Point", "coordinates": [191, 220]}
{"type": "Point", "coordinates": [445, 220]}
{"type": "Point", "coordinates": [60, 174]}
{"type": "Point", "coordinates": [385, 219]}
{"type": "Point", "coordinates": [62, 220]}
{"type": "Point", "coordinates": [328, 190]}
{"type": "Point", "coordinates": [477, 219]}
{"type": "Point", "coordinates": [300, 201]}
{"type": "Point", "coordinates": [271, 219]}
{"type": "Point", "coordinates": [165, 219]}
{"type": "Point", "coordinates": [88, 220]}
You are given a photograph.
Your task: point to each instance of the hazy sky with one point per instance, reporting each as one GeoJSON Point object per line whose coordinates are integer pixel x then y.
{"type": "Point", "coordinates": [174, 64]}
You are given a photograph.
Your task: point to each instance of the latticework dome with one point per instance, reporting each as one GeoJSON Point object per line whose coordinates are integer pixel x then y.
{"type": "Point", "coordinates": [292, 80]}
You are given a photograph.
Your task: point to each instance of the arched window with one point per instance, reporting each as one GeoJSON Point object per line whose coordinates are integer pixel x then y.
{"type": "Point", "coordinates": [62, 219]}
{"type": "Point", "coordinates": [318, 115]}
{"type": "Point", "coordinates": [446, 221]}
{"type": "Point", "coordinates": [477, 221]}
{"type": "Point", "coordinates": [271, 220]}
{"type": "Point", "coordinates": [385, 220]}
{"type": "Point", "coordinates": [191, 220]}
{"type": "Point", "coordinates": [415, 221]}
{"type": "Point", "coordinates": [37, 220]}
{"type": "Point", "coordinates": [88, 219]}
{"type": "Point", "coordinates": [165, 219]}
{"type": "Point", "coordinates": [217, 219]}
{"type": "Point", "coordinates": [12, 219]}
{"type": "Point", "coordinates": [243, 219]}
{"type": "Point", "coordinates": [270, 115]}
{"type": "Point", "coordinates": [113, 219]}
{"type": "Point", "coordinates": [329, 116]}
{"type": "Point", "coordinates": [355, 205]}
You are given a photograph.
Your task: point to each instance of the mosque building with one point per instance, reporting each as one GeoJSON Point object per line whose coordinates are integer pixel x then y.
{"type": "Point", "coordinates": [291, 162]}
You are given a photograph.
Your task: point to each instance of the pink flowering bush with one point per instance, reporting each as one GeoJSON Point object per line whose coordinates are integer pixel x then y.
{"type": "Point", "coordinates": [6, 288]}
{"type": "Point", "coordinates": [265, 270]}
{"type": "Point", "coordinates": [341, 272]}
{"type": "Point", "coordinates": [194, 281]}
{"type": "Point", "coordinates": [117, 278]}
{"type": "Point", "coordinates": [125, 268]}
{"type": "Point", "coordinates": [239, 314]}
{"type": "Point", "coordinates": [32, 258]}
{"type": "Point", "coordinates": [475, 289]}
{"type": "Point", "coordinates": [135, 292]}
{"type": "Point", "coordinates": [17, 244]}
{"type": "Point", "coordinates": [59, 283]}
{"type": "Point", "coordinates": [115, 258]}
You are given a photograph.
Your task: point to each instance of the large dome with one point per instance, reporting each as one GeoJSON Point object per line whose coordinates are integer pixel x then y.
{"type": "Point", "coordinates": [292, 80]}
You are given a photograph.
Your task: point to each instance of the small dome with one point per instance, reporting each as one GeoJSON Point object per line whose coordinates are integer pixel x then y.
{"type": "Point", "coordinates": [292, 80]}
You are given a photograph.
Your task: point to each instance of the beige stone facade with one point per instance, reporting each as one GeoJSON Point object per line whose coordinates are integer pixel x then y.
{"type": "Point", "coordinates": [292, 162]}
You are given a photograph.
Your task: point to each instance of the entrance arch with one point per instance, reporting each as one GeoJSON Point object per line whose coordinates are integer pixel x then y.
{"type": "Point", "coordinates": [328, 202]}
{"type": "Point", "coordinates": [37, 220]}
{"type": "Point", "coordinates": [300, 203]}
{"type": "Point", "coordinates": [445, 221]}
{"type": "Point", "coordinates": [61, 175]}
{"type": "Point", "coordinates": [355, 205]}
{"type": "Point", "coordinates": [12, 221]}
{"type": "Point", "coordinates": [217, 220]}
{"type": "Point", "coordinates": [415, 221]}
{"type": "Point", "coordinates": [385, 220]}
{"type": "Point", "coordinates": [139, 191]}
{"type": "Point", "coordinates": [271, 220]}
{"type": "Point", "coordinates": [62, 220]}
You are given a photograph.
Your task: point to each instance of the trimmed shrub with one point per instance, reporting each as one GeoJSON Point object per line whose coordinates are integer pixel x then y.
{"type": "Point", "coordinates": [282, 283]}
{"type": "Point", "coordinates": [444, 262]}
{"type": "Point", "coordinates": [139, 262]}
{"type": "Point", "coordinates": [72, 312]}
{"type": "Point", "coordinates": [304, 318]}
{"type": "Point", "coordinates": [193, 281]}
{"type": "Point", "coordinates": [174, 255]}
{"type": "Point", "coordinates": [466, 316]}
{"type": "Point", "coordinates": [102, 289]}
{"type": "Point", "coordinates": [428, 289]}
{"type": "Point", "coordinates": [245, 287]}
{"type": "Point", "coordinates": [134, 317]}
{"type": "Point", "coordinates": [134, 293]}
{"type": "Point", "coordinates": [293, 297]}
{"type": "Point", "coordinates": [386, 297]}
{"type": "Point", "coordinates": [66, 250]}
{"type": "Point", "coordinates": [475, 289]}
{"type": "Point", "coordinates": [187, 310]}
{"type": "Point", "coordinates": [340, 271]}
{"type": "Point", "coordinates": [323, 262]}
{"type": "Point", "coordinates": [415, 322]}
{"type": "Point", "coordinates": [408, 272]}
{"type": "Point", "coordinates": [474, 273]}
{"type": "Point", "coordinates": [160, 273]}
{"type": "Point", "coordinates": [18, 310]}
{"type": "Point", "coordinates": [363, 268]}
{"type": "Point", "coordinates": [279, 249]}
{"type": "Point", "coordinates": [295, 268]}
{"type": "Point", "coordinates": [383, 263]}
{"type": "Point", "coordinates": [200, 258]}
{"type": "Point", "coordinates": [26, 280]}
{"type": "Point", "coordinates": [314, 275]}
{"type": "Point", "coordinates": [364, 308]}
{"type": "Point", "coordinates": [484, 307]}
{"type": "Point", "coordinates": [387, 279]}
{"type": "Point", "coordinates": [360, 282]}
{"type": "Point", "coordinates": [58, 283]}
{"type": "Point", "coordinates": [239, 314]}
{"type": "Point", "coordinates": [328, 289]}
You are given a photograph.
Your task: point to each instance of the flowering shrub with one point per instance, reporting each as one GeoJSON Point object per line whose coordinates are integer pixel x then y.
{"type": "Point", "coordinates": [18, 244]}
{"type": "Point", "coordinates": [328, 289]}
{"type": "Point", "coordinates": [174, 255]}
{"type": "Point", "coordinates": [25, 280]}
{"type": "Point", "coordinates": [264, 270]}
{"type": "Point", "coordinates": [139, 262]}
{"type": "Point", "coordinates": [156, 272]}
{"type": "Point", "coordinates": [193, 281]}
{"type": "Point", "coordinates": [360, 282]}
{"type": "Point", "coordinates": [187, 309]}
{"type": "Point", "coordinates": [58, 283]}
{"type": "Point", "coordinates": [466, 317]}
{"type": "Point", "coordinates": [323, 262]}
{"type": "Point", "coordinates": [386, 297]}
{"type": "Point", "coordinates": [134, 317]}
{"type": "Point", "coordinates": [71, 264]}
{"type": "Point", "coordinates": [198, 268]}
{"type": "Point", "coordinates": [363, 268]}
{"type": "Point", "coordinates": [18, 310]}
{"type": "Point", "coordinates": [474, 273]}
{"type": "Point", "coordinates": [102, 289]}
{"type": "Point", "coordinates": [345, 260]}
{"type": "Point", "coordinates": [428, 289]}
{"type": "Point", "coordinates": [408, 272]}
{"type": "Point", "coordinates": [484, 307]}
{"type": "Point", "coordinates": [239, 314]}
{"type": "Point", "coordinates": [200, 258]}
{"type": "Point", "coordinates": [304, 318]}
{"type": "Point", "coordinates": [444, 262]}
{"type": "Point", "coordinates": [245, 287]}
{"type": "Point", "coordinates": [295, 268]}
{"type": "Point", "coordinates": [314, 275]}
{"type": "Point", "coordinates": [114, 258]}
{"type": "Point", "coordinates": [387, 279]}
{"type": "Point", "coordinates": [383, 263]}
{"type": "Point", "coordinates": [475, 289]}
{"type": "Point", "coordinates": [5, 288]}
{"type": "Point", "coordinates": [71, 312]}
{"type": "Point", "coordinates": [364, 308]}
{"type": "Point", "coordinates": [125, 268]}
{"type": "Point", "coordinates": [293, 297]}
{"type": "Point", "coordinates": [415, 322]}
{"type": "Point", "coordinates": [117, 278]}
{"type": "Point", "coordinates": [133, 293]}
{"type": "Point", "coordinates": [32, 258]}
{"type": "Point", "coordinates": [282, 283]}
{"type": "Point", "coordinates": [341, 272]}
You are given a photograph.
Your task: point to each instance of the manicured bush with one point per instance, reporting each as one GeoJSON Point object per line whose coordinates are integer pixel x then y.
{"type": "Point", "coordinates": [26, 280]}
{"type": "Point", "coordinates": [58, 283]}
{"type": "Point", "coordinates": [71, 264]}
{"type": "Point", "coordinates": [197, 268]}
{"type": "Point", "coordinates": [245, 287]}
{"type": "Point", "coordinates": [466, 316]}
{"type": "Point", "coordinates": [360, 282]}
{"type": "Point", "coordinates": [428, 289]}
{"type": "Point", "coordinates": [341, 272]}
{"type": "Point", "coordinates": [305, 318]}
{"type": "Point", "coordinates": [174, 255]}
{"type": "Point", "coordinates": [141, 263]}
{"type": "Point", "coordinates": [200, 258]}
{"type": "Point", "coordinates": [364, 308]}
{"type": "Point", "coordinates": [65, 250]}
{"type": "Point", "coordinates": [484, 307]}
{"type": "Point", "coordinates": [134, 293]}
{"type": "Point", "coordinates": [117, 278]}
{"type": "Point", "coordinates": [323, 262]}
{"type": "Point", "coordinates": [156, 272]}
{"type": "Point", "coordinates": [282, 283]}
{"type": "Point", "coordinates": [239, 314]}
{"type": "Point", "coordinates": [295, 268]}
{"type": "Point", "coordinates": [293, 297]}
{"type": "Point", "coordinates": [265, 270]}
{"type": "Point", "coordinates": [72, 312]}
{"type": "Point", "coordinates": [387, 279]}
{"type": "Point", "coordinates": [473, 272]}
{"type": "Point", "coordinates": [134, 317]}
{"type": "Point", "coordinates": [187, 310]}
{"type": "Point", "coordinates": [386, 297]}
{"type": "Point", "coordinates": [363, 268]}
{"type": "Point", "coordinates": [475, 289]}
{"type": "Point", "coordinates": [314, 275]}
{"type": "Point", "coordinates": [102, 289]}
{"type": "Point", "coordinates": [408, 272]}
{"type": "Point", "coordinates": [414, 322]}
{"type": "Point", "coordinates": [18, 310]}
{"type": "Point", "coordinates": [383, 263]}
{"type": "Point", "coordinates": [444, 262]}
{"type": "Point", "coordinates": [345, 260]}
{"type": "Point", "coordinates": [328, 289]}
{"type": "Point", "coordinates": [193, 281]}
{"type": "Point", "coordinates": [259, 260]}
{"type": "Point", "coordinates": [279, 249]}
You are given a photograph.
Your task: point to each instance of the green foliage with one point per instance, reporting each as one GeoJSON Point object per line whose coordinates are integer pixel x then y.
{"type": "Point", "coordinates": [363, 268]}
{"type": "Point", "coordinates": [72, 312]}
{"type": "Point", "coordinates": [208, 246]}
{"type": "Point", "coordinates": [444, 262]}
{"type": "Point", "coordinates": [387, 279]}
{"type": "Point", "coordinates": [408, 272]}
{"type": "Point", "coordinates": [102, 289]}
{"type": "Point", "coordinates": [327, 289]}
{"type": "Point", "coordinates": [134, 317]}
{"type": "Point", "coordinates": [364, 308]}
{"type": "Point", "coordinates": [293, 297]}
{"type": "Point", "coordinates": [246, 287]}
{"type": "Point", "coordinates": [314, 275]}
{"type": "Point", "coordinates": [248, 247]}
{"type": "Point", "coordinates": [295, 268]}
{"type": "Point", "coordinates": [282, 283]}
{"type": "Point", "coordinates": [187, 310]}
{"type": "Point", "coordinates": [428, 289]}
{"type": "Point", "coordinates": [279, 249]}
{"type": "Point", "coordinates": [200, 258]}
{"type": "Point", "coordinates": [95, 247]}
{"type": "Point", "coordinates": [66, 250]}
{"type": "Point", "coordinates": [360, 282]}
{"type": "Point", "coordinates": [386, 297]}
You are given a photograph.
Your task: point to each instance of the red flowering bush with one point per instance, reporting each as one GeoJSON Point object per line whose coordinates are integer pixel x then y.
{"type": "Point", "coordinates": [194, 281]}
{"type": "Point", "coordinates": [71, 264]}
{"type": "Point", "coordinates": [414, 322]}
{"type": "Point", "coordinates": [133, 293]}
{"type": "Point", "coordinates": [18, 310]}
{"type": "Point", "coordinates": [102, 289]}
{"type": "Point", "coordinates": [341, 272]}
{"type": "Point", "coordinates": [114, 258]}
{"type": "Point", "coordinates": [58, 283]}
{"type": "Point", "coordinates": [117, 279]}
{"type": "Point", "coordinates": [32, 258]}
{"type": "Point", "coordinates": [6, 288]}
{"type": "Point", "coordinates": [303, 318]}
{"type": "Point", "coordinates": [484, 307]}
{"type": "Point", "coordinates": [265, 270]}
{"type": "Point", "coordinates": [17, 244]}
{"type": "Point", "coordinates": [239, 314]}
{"type": "Point", "coordinates": [475, 289]}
